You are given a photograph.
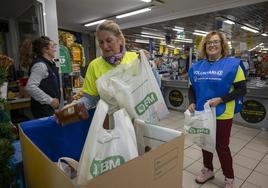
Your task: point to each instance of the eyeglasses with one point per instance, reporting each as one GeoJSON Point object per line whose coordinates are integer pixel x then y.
{"type": "Point", "coordinates": [213, 43]}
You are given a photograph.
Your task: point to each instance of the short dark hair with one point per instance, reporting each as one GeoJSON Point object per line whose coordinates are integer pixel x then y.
{"type": "Point", "coordinates": [39, 44]}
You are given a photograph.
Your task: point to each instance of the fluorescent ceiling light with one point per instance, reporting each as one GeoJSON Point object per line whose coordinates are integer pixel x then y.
{"type": "Point", "coordinates": [153, 37]}
{"type": "Point", "coordinates": [94, 23]}
{"type": "Point", "coordinates": [181, 28]}
{"type": "Point", "coordinates": [178, 30]}
{"type": "Point", "coordinates": [258, 46]}
{"type": "Point", "coordinates": [184, 40]}
{"type": "Point", "coordinates": [249, 29]}
{"type": "Point", "coordinates": [142, 41]}
{"type": "Point", "coordinates": [199, 31]}
{"type": "Point", "coordinates": [133, 13]}
{"type": "Point", "coordinates": [171, 46]}
{"type": "Point", "coordinates": [199, 34]}
{"type": "Point", "coordinates": [229, 22]}
{"type": "Point", "coordinates": [147, 1]}
{"type": "Point", "coordinates": [154, 34]}
{"type": "Point", "coordinates": [264, 34]}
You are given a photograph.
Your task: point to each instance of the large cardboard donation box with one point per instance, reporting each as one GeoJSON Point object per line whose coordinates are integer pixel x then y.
{"type": "Point", "coordinates": [43, 142]}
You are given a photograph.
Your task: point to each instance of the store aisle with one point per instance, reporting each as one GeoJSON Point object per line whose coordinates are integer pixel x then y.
{"type": "Point", "coordinates": [249, 148]}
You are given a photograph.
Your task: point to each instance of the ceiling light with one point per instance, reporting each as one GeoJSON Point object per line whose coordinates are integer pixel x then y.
{"type": "Point", "coordinates": [171, 46]}
{"type": "Point", "coordinates": [147, 1]}
{"type": "Point", "coordinates": [229, 22]}
{"type": "Point", "coordinates": [184, 40]}
{"type": "Point", "coordinates": [199, 31]}
{"type": "Point", "coordinates": [199, 34]}
{"type": "Point", "coordinates": [264, 34]}
{"type": "Point", "coordinates": [181, 28]}
{"type": "Point", "coordinates": [249, 29]}
{"type": "Point", "coordinates": [153, 37]}
{"type": "Point", "coordinates": [133, 13]}
{"type": "Point", "coordinates": [178, 30]}
{"type": "Point", "coordinates": [142, 41]}
{"type": "Point", "coordinates": [154, 34]}
{"type": "Point", "coordinates": [94, 23]}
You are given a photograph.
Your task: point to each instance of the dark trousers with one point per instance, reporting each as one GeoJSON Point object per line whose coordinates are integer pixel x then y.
{"type": "Point", "coordinates": [223, 132]}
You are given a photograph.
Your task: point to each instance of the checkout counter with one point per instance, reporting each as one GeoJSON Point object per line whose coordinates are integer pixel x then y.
{"type": "Point", "coordinates": [175, 93]}
{"type": "Point", "coordinates": [255, 106]}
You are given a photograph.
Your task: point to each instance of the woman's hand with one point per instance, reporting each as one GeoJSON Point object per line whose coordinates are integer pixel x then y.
{"type": "Point", "coordinates": [191, 107]}
{"type": "Point", "coordinates": [54, 103]}
{"type": "Point", "coordinates": [82, 111]}
{"type": "Point", "coordinates": [215, 101]}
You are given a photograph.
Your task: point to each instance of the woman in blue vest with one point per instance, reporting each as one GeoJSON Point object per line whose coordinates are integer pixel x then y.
{"type": "Point", "coordinates": [43, 84]}
{"type": "Point", "coordinates": [221, 81]}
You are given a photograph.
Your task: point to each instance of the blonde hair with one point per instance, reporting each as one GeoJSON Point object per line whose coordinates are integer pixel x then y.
{"type": "Point", "coordinates": [224, 45]}
{"type": "Point", "coordinates": [111, 26]}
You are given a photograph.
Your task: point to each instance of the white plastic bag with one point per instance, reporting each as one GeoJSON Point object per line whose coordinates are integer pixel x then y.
{"type": "Point", "coordinates": [201, 126]}
{"type": "Point", "coordinates": [106, 149]}
{"type": "Point", "coordinates": [133, 87]}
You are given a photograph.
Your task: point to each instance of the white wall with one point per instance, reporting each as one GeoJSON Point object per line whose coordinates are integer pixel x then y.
{"type": "Point", "coordinates": [50, 20]}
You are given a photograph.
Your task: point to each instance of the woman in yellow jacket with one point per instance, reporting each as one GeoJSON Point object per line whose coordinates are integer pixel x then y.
{"type": "Point", "coordinates": [112, 44]}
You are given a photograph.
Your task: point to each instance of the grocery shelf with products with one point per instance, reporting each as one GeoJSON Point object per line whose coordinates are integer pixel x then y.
{"type": "Point", "coordinates": [72, 59]}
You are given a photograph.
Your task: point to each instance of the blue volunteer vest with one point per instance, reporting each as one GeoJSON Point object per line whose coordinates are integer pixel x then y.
{"type": "Point", "coordinates": [210, 80]}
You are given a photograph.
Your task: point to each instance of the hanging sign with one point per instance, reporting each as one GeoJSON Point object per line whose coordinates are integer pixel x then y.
{"type": "Point", "coordinates": [166, 50]}
{"type": "Point", "coordinates": [176, 51]}
{"type": "Point", "coordinates": [161, 49]}
{"type": "Point", "coordinates": [249, 41]}
{"type": "Point", "coordinates": [198, 39]}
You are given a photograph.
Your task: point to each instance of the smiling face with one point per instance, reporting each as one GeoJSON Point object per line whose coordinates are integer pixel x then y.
{"type": "Point", "coordinates": [214, 47]}
{"type": "Point", "coordinates": [109, 43]}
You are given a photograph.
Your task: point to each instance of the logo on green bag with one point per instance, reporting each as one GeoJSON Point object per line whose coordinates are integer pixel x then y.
{"type": "Point", "coordinates": [150, 99]}
{"type": "Point", "coordinates": [193, 130]}
{"type": "Point", "coordinates": [99, 167]}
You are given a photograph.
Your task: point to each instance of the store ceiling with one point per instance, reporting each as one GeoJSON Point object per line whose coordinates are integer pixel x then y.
{"type": "Point", "coordinates": [255, 15]}
{"type": "Point", "coordinates": [191, 14]}
{"type": "Point", "coordinates": [73, 14]}
{"type": "Point", "coordinates": [13, 8]}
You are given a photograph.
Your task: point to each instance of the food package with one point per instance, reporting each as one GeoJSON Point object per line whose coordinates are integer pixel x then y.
{"type": "Point", "coordinates": [71, 113]}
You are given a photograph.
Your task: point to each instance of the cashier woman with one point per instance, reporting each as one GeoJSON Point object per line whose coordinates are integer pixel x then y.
{"type": "Point", "coordinates": [43, 84]}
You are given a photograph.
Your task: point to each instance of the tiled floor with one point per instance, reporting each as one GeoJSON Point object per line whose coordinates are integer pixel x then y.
{"type": "Point", "coordinates": [249, 149]}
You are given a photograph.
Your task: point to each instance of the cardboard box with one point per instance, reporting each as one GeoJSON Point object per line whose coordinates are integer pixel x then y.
{"type": "Point", "coordinates": [161, 167]}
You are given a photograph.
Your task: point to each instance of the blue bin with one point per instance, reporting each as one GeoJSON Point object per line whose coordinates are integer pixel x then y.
{"type": "Point", "coordinates": [56, 141]}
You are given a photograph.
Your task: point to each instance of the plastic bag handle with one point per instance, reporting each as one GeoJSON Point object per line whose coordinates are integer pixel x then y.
{"type": "Point", "coordinates": [207, 106]}
{"type": "Point", "coordinates": [73, 163]}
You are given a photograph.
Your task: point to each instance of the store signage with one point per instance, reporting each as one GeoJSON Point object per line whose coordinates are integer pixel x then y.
{"type": "Point", "coordinates": [65, 60]}
{"type": "Point", "coordinates": [175, 98]}
{"type": "Point", "coordinates": [253, 111]}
